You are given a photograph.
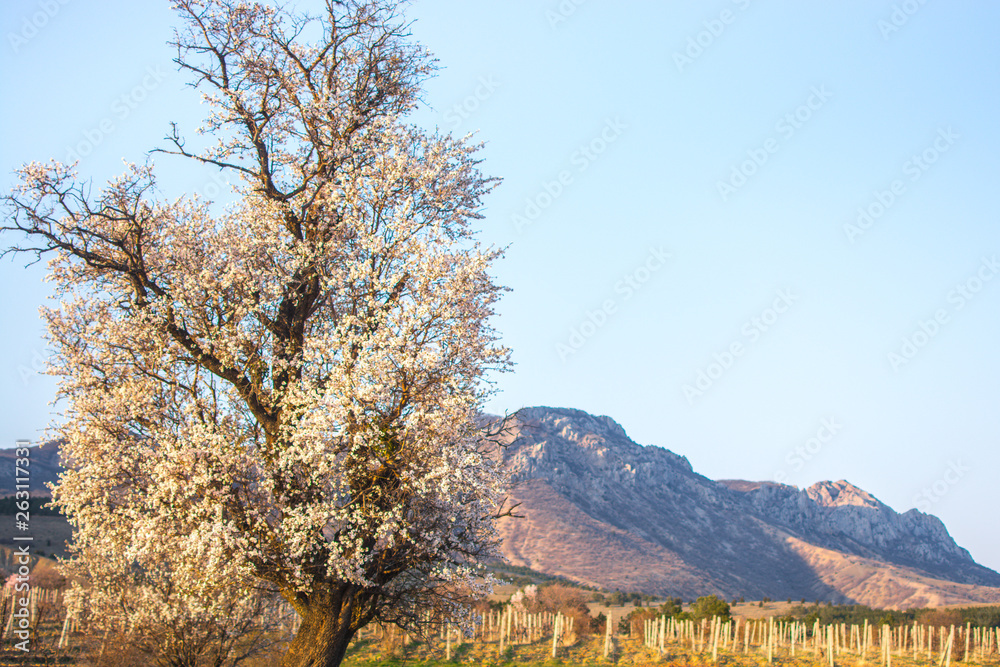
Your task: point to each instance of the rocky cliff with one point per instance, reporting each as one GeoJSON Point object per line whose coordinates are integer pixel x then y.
{"type": "Point", "coordinates": [601, 509]}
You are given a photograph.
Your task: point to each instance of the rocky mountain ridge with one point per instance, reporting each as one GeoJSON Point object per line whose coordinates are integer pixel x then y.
{"type": "Point", "coordinates": [601, 509]}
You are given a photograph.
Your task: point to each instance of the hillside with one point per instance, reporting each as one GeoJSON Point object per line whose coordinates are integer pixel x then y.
{"type": "Point", "coordinates": [43, 466]}
{"type": "Point", "coordinates": [605, 511]}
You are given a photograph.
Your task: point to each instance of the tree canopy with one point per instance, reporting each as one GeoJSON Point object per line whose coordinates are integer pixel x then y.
{"type": "Point", "coordinates": [284, 395]}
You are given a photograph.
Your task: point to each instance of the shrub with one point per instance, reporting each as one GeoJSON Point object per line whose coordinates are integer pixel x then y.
{"type": "Point", "coordinates": [708, 606]}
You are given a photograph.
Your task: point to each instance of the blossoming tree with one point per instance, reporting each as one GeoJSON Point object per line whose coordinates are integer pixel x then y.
{"type": "Point", "coordinates": [285, 394]}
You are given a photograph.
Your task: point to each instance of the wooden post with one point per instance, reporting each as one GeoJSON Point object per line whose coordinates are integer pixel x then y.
{"type": "Point", "coordinates": [968, 631]}
{"type": "Point", "coordinates": [770, 639]}
{"type": "Point", "coordinates": [557, 626]}
{"type": "Point", "coordinates": [864, 641]}
{"type": "Point", "coordinates": [511, 626]}
{"type": "Point", "coordinates": [500, 633]}
{"type": "Point", "coordinates": [716, 628]}
{"type": "Point", "coordinates": [607, 635]}
{"type": "Point", "coordinates": [63, 643]}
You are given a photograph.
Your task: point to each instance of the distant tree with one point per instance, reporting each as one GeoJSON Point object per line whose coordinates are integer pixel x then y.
{"type": "Point", "coordinates": [982, 616]}
{"type": "Point", "coordinates": [708, 606]}
{"type": "Point", "coordinates": [569, 601]}
{"type": "Point", "coordinates": [44, 575]}
{"type": "Point", "coordinates": [600, 622]}
{"type": "Point", "coordinates": [939, 617]}
{"type": "Point", "coordinates": [671, 607]}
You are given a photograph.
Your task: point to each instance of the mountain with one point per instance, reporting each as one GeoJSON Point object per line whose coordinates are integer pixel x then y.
{"type": "Point", "coordinates": [43, 469]}
{"type": "Point", "coordinates": [602, 510]}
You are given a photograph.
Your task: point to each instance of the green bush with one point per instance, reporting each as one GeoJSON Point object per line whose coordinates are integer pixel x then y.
{"type": "Point", "coordinates": [709, 606]}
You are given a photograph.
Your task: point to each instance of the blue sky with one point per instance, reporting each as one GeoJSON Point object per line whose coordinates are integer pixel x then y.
{"type": "Point", "coordinates": [762, 235]}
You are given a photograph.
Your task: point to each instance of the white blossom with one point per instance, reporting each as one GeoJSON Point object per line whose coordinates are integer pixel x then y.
{"type": "Point", "coordinates": [288, 392]}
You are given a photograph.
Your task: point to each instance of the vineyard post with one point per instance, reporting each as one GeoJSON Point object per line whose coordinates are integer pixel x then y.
{"type": "Point", "coordinates": [510, 625]}
{"type": "Point", "coordinates": [8, 629]}
{"type": "Point", "coordinates": [864, 642]}
{"type": "Point", "coordinates": [770, 639]}
{"type": "Point", "coordinates": [968, 631]}
{"type": "Point", "coordinates": [716, 628]}
{"type": "Point", "coordinates": [663, 631]}
{"type": "Point", "coordinates": [557, 626]}
{"type": "Point", "coordinates": [607, 634]}
{"type": "Point", "coordinates": [62, 636]}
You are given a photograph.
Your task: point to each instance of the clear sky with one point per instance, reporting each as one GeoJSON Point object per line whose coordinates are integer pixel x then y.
{"type": "Point", "coordinates": [763, 235]}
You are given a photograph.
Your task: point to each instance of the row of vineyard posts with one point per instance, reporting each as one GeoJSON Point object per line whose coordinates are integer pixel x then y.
{"type": "Point", "coordinates": [44, 605]}
{"type": "Point", "coordinates": [827, 643]}
{"type": "Point", "coordinates": [48, 607]}
{"type": "Point", "coordinates": [769, 638]}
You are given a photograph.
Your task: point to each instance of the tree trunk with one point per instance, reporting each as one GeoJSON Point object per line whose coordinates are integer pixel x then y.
{"type": "Point", "coordinates": [327, 628]}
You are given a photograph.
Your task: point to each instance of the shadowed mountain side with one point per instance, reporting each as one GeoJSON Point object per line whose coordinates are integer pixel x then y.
{"type": "Point", "coordinates": [43, 468]}
{"type": "Point", "coordinates": [605, 510]}
{"type": "Point", "coordinates": [557, 537]}
{"type": "Point", "coordinates": [564, 540]}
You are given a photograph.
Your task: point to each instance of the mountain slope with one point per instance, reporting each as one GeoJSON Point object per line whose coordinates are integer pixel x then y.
{"type": "Point", "coordinates": [43, 469]}
{"type": "Point", "coordinates": [604, 510]}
